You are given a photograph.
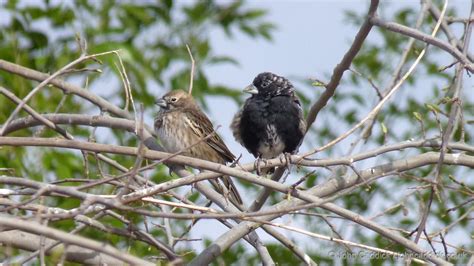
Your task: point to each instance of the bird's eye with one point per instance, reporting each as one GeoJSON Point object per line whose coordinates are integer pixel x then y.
{"type": "Point", "coordinates": [265, 83]}
{"type": "Point", "coordinates": [174, 99]}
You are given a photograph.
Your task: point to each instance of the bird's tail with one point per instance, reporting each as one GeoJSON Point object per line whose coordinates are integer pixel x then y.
{"type": "Point", "coordinates": [230, 192]}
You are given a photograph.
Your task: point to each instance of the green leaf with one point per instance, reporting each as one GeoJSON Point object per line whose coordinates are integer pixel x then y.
{"type": "Point", "coordinates": [140, 13]}
{"type": "Point", "coordinates": [39, 39]}
{"type": "Point", "coordinates": [384, 128]}
{"type": "Point", "coordinates": [317, 83]}
{"type": "Point", "coordinates": [222, 60]}
{"type": "Point", "coordinates": [432, 107]}
{"type": "Point", "coordinates": [253, 14]}
{"type": "Point", "coordinates": [417, 116]}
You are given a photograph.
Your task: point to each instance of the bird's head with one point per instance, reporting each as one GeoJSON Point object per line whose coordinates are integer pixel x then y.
{"type": "Point", "coordinates": [269, 84]}
{"type": "Point", "coordinates": [176, 99]}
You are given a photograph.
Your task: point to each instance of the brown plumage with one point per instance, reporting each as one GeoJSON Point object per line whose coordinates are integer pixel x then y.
{"type": "Point", "coordinates": [180, 124]}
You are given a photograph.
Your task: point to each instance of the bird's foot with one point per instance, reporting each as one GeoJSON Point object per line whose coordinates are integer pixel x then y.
{"type": "Point", "coordinates": [258, 163]}
{"type": "Point", "coordinates": [286, 159]}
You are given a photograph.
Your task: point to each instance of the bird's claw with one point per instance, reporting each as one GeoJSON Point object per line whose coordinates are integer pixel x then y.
{"type": "Point", "coordinates": [286, 158]}
{"type": "Point", "coordinates": [258, 164]}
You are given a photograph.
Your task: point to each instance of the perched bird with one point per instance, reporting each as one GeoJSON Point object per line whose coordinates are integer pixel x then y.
{"type": "Point", "coordinates": [271, 121]}
{"type": "Point", "coordinates": [183, 127]}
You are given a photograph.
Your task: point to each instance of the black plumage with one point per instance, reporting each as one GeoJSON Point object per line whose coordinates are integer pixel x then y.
{"type": "Point", "coordinates": [271, 121]}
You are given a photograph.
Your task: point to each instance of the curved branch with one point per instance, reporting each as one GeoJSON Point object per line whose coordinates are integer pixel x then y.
{"type": "Point", "coordinates": [202, 164]}
{"type": "Point", "coordinates": [326, 189]}
{"type": "Point", "coordinates": [73, 119]}
{"type": "Point", "coordinates": [64, 86]}
{"type": "Point", "coordinates": [435, 13]}
{"type": "Point", "coordinates": [407, 31]}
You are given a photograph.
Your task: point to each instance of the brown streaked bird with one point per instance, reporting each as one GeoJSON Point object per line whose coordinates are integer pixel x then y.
{"type": "Point", "coordinates": [180, 124]}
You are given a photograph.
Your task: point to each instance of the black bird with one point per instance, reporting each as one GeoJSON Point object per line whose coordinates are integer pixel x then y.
{"type": "Point", "coordinates": [271, 121]}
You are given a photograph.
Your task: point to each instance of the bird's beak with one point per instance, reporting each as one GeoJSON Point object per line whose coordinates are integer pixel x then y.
{"type": "Point", "coordinates": [161, 103]}
{"type": "Point", "coordinates": [251, 89]}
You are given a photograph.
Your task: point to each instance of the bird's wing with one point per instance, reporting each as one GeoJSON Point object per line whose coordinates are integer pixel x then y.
{"type": "Point", "coordinates": [202, 127]}
{"type": "Point", "coordinates": [235, 126]}
{"type": "Point", "coordinates": [302, 124]}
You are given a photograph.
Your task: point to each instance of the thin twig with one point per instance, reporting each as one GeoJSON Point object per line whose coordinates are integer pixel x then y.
{"type": "Point", "coordinates": [191, 78]}
{"type": "Point", "coordinates": [82, 58]}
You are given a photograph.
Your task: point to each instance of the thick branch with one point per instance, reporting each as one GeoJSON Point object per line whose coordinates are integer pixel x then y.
{"type": "Point", "coordinates": [197, 163]}
{"type": "Point", "coordinates": [395, 27]}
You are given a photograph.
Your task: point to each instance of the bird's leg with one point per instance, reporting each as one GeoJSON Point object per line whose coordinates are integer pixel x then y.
{"type": "Point", "coordinates": [258, 163]}
{"type": "Point", "coordinates": [286, 158]}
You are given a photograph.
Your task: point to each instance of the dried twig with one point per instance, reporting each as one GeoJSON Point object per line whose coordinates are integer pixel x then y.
{"type": "Point", "coordinates": [191, 75]}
